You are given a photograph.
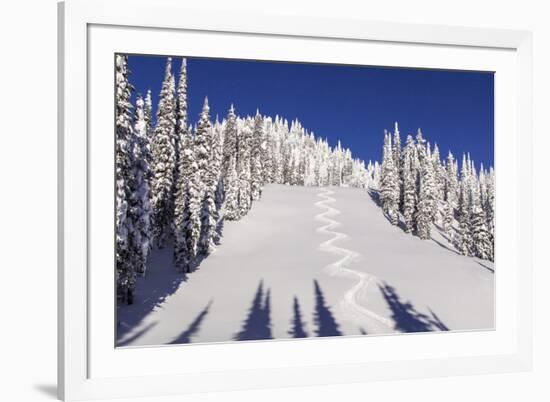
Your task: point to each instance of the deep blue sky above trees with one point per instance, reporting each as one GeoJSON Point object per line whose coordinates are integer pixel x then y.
{"type": "Point", "coordinates": [353, 104]}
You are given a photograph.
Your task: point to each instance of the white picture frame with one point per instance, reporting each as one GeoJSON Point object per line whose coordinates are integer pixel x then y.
{"type": "Point", "coordinates": [87, 370]}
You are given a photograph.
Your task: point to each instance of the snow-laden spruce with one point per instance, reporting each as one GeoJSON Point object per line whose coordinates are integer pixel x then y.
{"type": "Point", "coordinates": [211, 142]}
{"type": "Point", "coordinates": [427, 195]}
{"type": "Point", "coordinates": [185, 170]}
{"type": "Point", "coordinates": [231, 186]}
{"type": "Point", "coordinates": [139, 205]}
{"type": "Point", "coordinates": [229, 166]}
{"type": "Point", "coordinates": [148, 114]}
{"type": "Point", "coordinates": [192, 222]}
{"type": "Point", "coordinates": [164, 158]}
{"type": "Point", "coordinates": [256, 169]}
{"type": "Point", "coordinates": [186, 200]}
{"type": "Point", "coordinates": [389, 189]}
{"type": "Point", "coordinates": [125, 271]}
{"type": "Point", "coordinates": [245, 130]}
{"type": "Point", "coordinates": [181, 122]}
{"type": "Point", "coordinates": [409, 178]}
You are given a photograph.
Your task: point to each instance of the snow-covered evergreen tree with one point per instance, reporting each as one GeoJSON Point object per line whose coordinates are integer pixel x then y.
{"type": "Point", "coordinates": [125, 272]}
{"type": "Point", "coordinates": [211, 203]}
{"type": "Point", "coordinates": [256, 171]}
{"type": "Point", "coordinates": [287, 164]}
{"type": "Point", "coordinates": [398, 163]}
{"type": "Point", "coordinates": [490, 201]}
{"type": "Point", "coordinates": [376, 175]}
{"type": "Point", "coordinates": [464, 241]}
{"type": "Point", "coordinates": [451, 194]}
{"type": "Point", "coordinates": [139, 206]}
{"type": "Point", "coordinates": [182, 119]}
{"type": "Point", "coordinates": [421, 148]}
{"type": "Point", "coordinates": [336, 158]}
{"type": "Point", "coordinates": [148, 116]}
{"type": "Point", "coordinates": [396, 149]}
{"type": "Point", "coordinates": [450, 186]}
{"type": "Point", "coordinates": [243, 166]}
{"type": "Point", "coordinates": [437, 195]}
{"type": "Point", "coordinates": [230, 141]}
{"type": "Point", "coordinates": [203, 143]}
{"type": "Point", "coordinates": [481, 238]}
{"type": "Point", "coordinates": [217, 161]}
{"type": "Point", "coordinates": [229, 166]}
{"type": "Point", "coordinates": [482, 242]}
{"type": "Point", "coordinates": [268, 151]}
{"type": "Point", "coordinates": [186, 168]}
{"type": "Point", "coordinates": [209, 173]}
{"type": "Point", "coordinates": [482, 181]}
{"type": "Point", "coordinates": [489, 208]}
{"type": "Point", "coordinates": [278, 162]}
{"type": "Point", "coordinates": [439, 174]}
{"type": "Point", "coordinates": [232, 210]}
{"type": "Point", "coordinates": [193, 214]}
{"type": "Point", "coordinates": [409, 184]}
{"type": "Point", "coordinates": [164, 158]}
{"type": "Point", "coordinates": [187, 196]}
{"type": "Point", "coordinates": [389, 190]}
{"type": "Point", "coordinates": [447, 218]}
{"type": "Point", "coordinates": [148, 112]}
{"type": "Point", "coordinates": [426, 198]}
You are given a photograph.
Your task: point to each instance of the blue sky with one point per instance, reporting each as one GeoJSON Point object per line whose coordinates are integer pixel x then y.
{"type": "Point", "coordinates": [353, 104]}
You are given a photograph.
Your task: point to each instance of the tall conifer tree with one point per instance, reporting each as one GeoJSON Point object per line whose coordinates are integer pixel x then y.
{"type": "Point", "coordinates": [243, 167]}
{"type": "Point", "coordinates": [389, 191]}
{"type": "Point", "coordinates": [125, 272]}
{"type": "Point", "coordinates": [164, 158]}
{"type": "Point", "coordinates": [426, 199]}
{"type": "Point", "coordinates": [230, 140]}
{"type": "Point", "coordinates": [140, 208]}
{"type": "Point", "coordinates": [256, 175]}
{"type": "Point", "coordinates": [208, 172]}
{"type": "Point", "coordinates": [185, 189]}
{"type": "Point", "coordinates": [229, 166]}
{"type": "Point", "coordinates": [409, 184]}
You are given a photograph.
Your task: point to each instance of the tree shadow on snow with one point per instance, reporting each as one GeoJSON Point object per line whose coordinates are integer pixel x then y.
{"type": "Point", "coordinates": [297, 330]}
{"type": "Point", "coordinates": [194, 327]}
{"type": "Point", "coordinates": [445, 246]}
{"type": "Point", "coordinates": [444, 234]}
{"type": "Point", "coordinates": [486, 267]}
{"type": "Point", "coordinates": [375, 196]}
{"type": "Point", "coordinates": [325, 322]}
{"type": "Point", "coordinates": [219, 231]}
{"type": "Point", "coordinates": [406, 317]}
{"type": "Point", "coordinates": [449, 240]}
{"type": "Point", "coordinates": [128, 341]}
{"type": "Point", "coordinates": [257, 324]}
{"type": "Point", "coordinates": [436, 322]}
{"type": "Point", "coordinates": [129, 317]}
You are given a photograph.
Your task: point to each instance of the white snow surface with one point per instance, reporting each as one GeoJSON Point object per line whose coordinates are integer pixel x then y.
{"type": "Point", "coordinates": [372, 278]}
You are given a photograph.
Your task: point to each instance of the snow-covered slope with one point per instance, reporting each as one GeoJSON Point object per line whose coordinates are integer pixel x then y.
{"type": "Point", "coordinates": [310, 261]}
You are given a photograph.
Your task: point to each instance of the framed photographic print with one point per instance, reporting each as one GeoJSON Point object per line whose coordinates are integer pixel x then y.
{"type": "Point", "coordinates": [244, 198]}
